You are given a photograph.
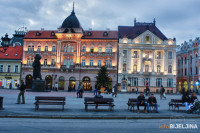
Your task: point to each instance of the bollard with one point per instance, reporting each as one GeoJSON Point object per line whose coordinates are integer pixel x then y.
{"type": "Point", "coordinates": [1, 103]}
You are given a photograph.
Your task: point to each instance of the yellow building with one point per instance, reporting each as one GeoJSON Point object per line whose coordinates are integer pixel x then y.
{"type": "Point", "coordinates": [10, 67]}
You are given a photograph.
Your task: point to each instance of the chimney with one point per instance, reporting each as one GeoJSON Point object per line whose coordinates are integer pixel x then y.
{"type": "Point", "coordinates": [90, 29]}
{"type": "Point", "coordinates": [108, 29]}
{"type": "Point", "coordinates": [42, 29]}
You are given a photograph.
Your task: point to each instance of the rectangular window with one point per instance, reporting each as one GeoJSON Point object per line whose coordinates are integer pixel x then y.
{"type": "Point", "coordinates": [83, 63]}
{"type": "Point", "coordinates": [147, 82]}
{"type": "Point", "coordinates": [135, 54]}
{"type": "Point", "coordinates": [146, 68]}
{"type": "Point", "coordinates": [169, 82]}
{"type": "Point", "coordinates": [8, 69]}
{"type": "Point", "coordinates": [71, 62]}
{"type": "Point", "coordinates": [92, 49]}
{"type": "Point", "coordinates": [54, 49]}
{"type": "Point", "coordinates": [72, 49]}
{"type": "Point", "coordinates": [68, 49]}
{"type": "Point", "coordinates": [99, 63]}
{"type": "Point", "coordinates": [169, 69]}
{"type": "Point", "coordinates": [53, 62]}
{"type": "Point", "coordinates": [110, 63]}
{"type": "Point", "coordinates": [45, 62]}
{"type": "Point", "coordinates": [106, 63]}
{"type": "Point", "coordinates": [134, 68]}
{"type": "Point", "coordinates": [39, 49]}
{"type": "Point", "coordinates": [124, 53]}
{"type": "Point", "coordinates": [29, 48]}
{"type": "Point", "coordinates": [32, 49]}
{"type": "Point", "coordinates": [135, 82]}
{"type": "Point", "coordinates": [16, 68]}
{"type": "Point", "coordinates": [91, 63]}
{"type": "Point", "coordinates": [170, 55]}
{"type": "Point", "coordinates": [46, 49]}
{"type": "Point", "coordinates": [158, 55]}
{"type": "Point", "coordinates": [158, 82]}
{"type": "Point", "coordinates": [1, 68]}
{"type": "Point", "coordinates": [68, 63]}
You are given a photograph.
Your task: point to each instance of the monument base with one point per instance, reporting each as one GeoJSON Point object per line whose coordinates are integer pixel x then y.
{"type": "Point", "coordinates": [38, 86]}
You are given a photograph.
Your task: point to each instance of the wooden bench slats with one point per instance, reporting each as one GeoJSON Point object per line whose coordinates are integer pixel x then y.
{"type": "Point", "coordinates": [175, 103]}
{"type": "Point", "coordinates": [88, 101]}
{"type": "Point", "coordinates": [49, 100]}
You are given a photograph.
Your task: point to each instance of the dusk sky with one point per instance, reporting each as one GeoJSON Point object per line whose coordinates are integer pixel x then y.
{"type": "Point", "coordinates": [175, 18]}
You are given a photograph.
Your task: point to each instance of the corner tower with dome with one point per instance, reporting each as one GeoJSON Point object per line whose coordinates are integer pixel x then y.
{"type": "Point", "coordinates": [70, 54]}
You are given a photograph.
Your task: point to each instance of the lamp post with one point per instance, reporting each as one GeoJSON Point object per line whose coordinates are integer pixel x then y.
{"type": "Point", "coordinates": [4, 47]}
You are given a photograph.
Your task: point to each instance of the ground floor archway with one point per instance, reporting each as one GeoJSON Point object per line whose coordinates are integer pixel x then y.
{"type": "Point", "coordinates": [72, 83]}
{"type": "Point", "coordinates": [29, 79]}
{"type": "Point", "coordinates": [48, 82]}
{"type": "Point", "coordinates": [61, 83]}
{"type": "Point", "coordinates": [86, 83]}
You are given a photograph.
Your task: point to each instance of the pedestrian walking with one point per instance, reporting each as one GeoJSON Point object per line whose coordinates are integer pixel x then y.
{"type": "Point", "coordinates": [81, 90]}
{"type": "Point", "coordinates": [10, 86]}
{"type": "Point", "coordinates": [78, 90]}
{"type": "Point", "coordinates": [162, 92]}
{"type": "Point", "coordinates": [95, 89]}
{"type": "Point", "coordinates": [56, 86]}
{"type": "Point", "coordinates": [136, 91]}
{"type": "Point", "coordinates": [113, 91]}
{"type": "Point", "coordinates": [21, 93]}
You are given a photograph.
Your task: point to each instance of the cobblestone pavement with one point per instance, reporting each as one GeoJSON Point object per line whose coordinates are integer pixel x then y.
{"type": "Point", "coordinates": [75, 106]}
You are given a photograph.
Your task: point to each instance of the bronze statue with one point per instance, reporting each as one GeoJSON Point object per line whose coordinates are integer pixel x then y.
{"type": "Point", "coordinates": [37, 67]}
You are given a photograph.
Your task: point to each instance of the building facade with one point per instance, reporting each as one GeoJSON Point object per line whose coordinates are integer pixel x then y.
{"type": "Point", "coordinates": [146, 58]}
{"type": "Point", "coordinates": [10, 67]}
{"type": "Point", "coordinates": [70, 54]}
{"type": "Point", "coordinates": [188, 63]}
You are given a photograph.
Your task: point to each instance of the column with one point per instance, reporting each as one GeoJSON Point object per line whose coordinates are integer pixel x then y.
{"type": "Point", "coordinates": [153, 61]}
{"type": "Point", "coordinates": [129, 60]}
{"type": "Point", "coordinates": [165, 61]}
{"type": "Point", "coordinates": [141, 63]}
{"type": "Point", "coordinates": [58, 51]}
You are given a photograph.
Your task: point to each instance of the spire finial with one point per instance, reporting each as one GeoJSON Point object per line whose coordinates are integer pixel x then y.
{"type": "Point", "coordinates": [154, 21]}
{"type": "Point", "coordinates": [73, 13]}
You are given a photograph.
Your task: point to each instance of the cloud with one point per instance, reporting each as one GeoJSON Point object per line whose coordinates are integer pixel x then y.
{"type": "Point", "coordinates": [177, 18]}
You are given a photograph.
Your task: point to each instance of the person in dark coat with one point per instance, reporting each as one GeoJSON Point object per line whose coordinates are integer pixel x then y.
{"type": "Point", "coordinates": [186, 101]}
{"type": "Point", "coordinates": [152, 102]}
{"type": "Point", "coordinates": [162, 92]}
{"type": "Point", "coordinates": [21, 93]}
{"type": "Point", "coordinates": [193, 97]}
{"type": "Point", "coordinates": [141, 102]}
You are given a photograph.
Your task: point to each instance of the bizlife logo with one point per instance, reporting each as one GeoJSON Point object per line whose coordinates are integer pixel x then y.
{"type": "Point", "coordinates": [178, 126]}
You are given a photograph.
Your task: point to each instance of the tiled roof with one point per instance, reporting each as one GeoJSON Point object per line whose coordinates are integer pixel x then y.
{"type": "Point", "coordinates": [100, 35]}
{"type": "Point", "coordinates": [46, 34]}
{"type": "Point", "coordinates": [12, 53]}
{"type": "Point", "coordinates": [134, 31]}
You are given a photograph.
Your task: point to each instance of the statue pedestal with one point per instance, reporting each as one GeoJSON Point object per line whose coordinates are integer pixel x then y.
{"type": "Point", "coordinates": [38, 86]}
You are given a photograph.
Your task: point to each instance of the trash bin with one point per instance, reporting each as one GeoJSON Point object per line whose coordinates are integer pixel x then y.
{"type": "Point", "coordinates": [1, 103]}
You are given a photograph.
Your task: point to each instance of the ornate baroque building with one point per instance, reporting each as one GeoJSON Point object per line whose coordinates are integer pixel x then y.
{"type": "Point", "coordinates": [188, 63]}
{"type": "Point", "coordinates": [70, 54]}
{"type": "Point", "coordinates": [146, 56]}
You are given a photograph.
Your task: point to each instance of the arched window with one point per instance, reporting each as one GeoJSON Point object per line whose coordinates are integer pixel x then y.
{"type": "Point", "coordinates": [169, 69]}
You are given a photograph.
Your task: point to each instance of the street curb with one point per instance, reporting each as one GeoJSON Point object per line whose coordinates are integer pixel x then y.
{"type": "Point", "coordinates": [102, 117]}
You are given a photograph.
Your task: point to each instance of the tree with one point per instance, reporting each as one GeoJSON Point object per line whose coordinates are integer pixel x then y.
{"type": "Point", "coordinates": [102, 77]}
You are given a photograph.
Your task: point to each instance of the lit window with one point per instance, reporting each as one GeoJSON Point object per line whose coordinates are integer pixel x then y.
{"type": "Point", "coordinates": [100, 49]}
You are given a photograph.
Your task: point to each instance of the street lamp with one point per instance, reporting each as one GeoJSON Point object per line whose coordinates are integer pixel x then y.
{"type": "Point", "coordinates": [5, 42]}
{"type": "Point", "coordinates": [4, 47]}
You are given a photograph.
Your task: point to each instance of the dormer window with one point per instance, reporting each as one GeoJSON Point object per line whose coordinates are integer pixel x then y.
{"type": "Point", "coordinates": [16, 54]}
{"type": "Point", "coordinates": [38, 33]}
{"type": "Point", "coordinates": [89, 33]}
{"type": "Point", "coordinates": [6, 54]}
{"type": "Point", "coordinates": [52, 33]}
{"type": "Point", "coordinates": [105, 33]}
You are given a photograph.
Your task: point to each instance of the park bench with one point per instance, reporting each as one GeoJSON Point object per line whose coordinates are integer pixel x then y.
{"type": "Point", "coordinates": [175, 103]}
{"type": "Point", "coordinates": [89, 101]}
{"type": "Point", "coordinates": [132, 102]}
{"type": "Point", "coordinates": [49, 100]}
